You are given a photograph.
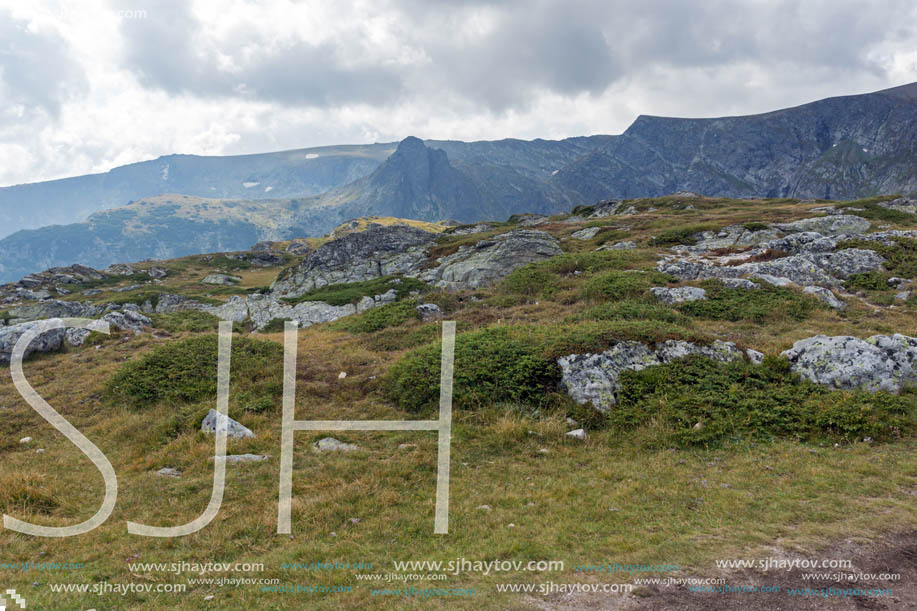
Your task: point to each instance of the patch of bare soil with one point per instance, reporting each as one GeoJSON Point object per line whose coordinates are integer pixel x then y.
{"type": "Point", "coordinates": [890, 554]}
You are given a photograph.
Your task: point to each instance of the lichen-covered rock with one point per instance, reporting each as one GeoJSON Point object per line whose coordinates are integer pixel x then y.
{"type": "Point", "coordinates": [357, 257]}
{"type": "Point", "coordinates": [681, 294]}
{"type": "Point", "coordinates": [733, 236]}
{"type": "Point", "coordinates": [593, 378]}
{"type": "Point", "coordinates": [234, 430]}
{"type": "Point", "coordinates": [902, 204]}
{"type": "Point", "coordinates": [627, 245]}
{"type": "Point", "coordinates": [492, 259]}
{"type": "Point", "coordinates": [221, 279]}
{"type": "Point", "coordinates": [802, 242]}
{"type": "Point", "coordinates": [879, 363]}
{"type": "Point", "coordinates": [804, 269]}
{"type": "Point", "coordinates": [825, 296]}
{"type": "Point", "coordinates": [740, 283]}
{"type": "Point", "coordinates": [330, 444]}
{"type": "Point", "coordinates": [429, 311]}
{"type": "Point", "coordinates": [49, 341]}
{"type": "Point", "coordinates": [828, 225]}
{"type": "Point", "coordinates": [585, 234]}
{"type": "Point", "coordinates": [53, 308]}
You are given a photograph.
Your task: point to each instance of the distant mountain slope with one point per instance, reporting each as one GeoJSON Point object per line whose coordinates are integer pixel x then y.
{"type": "Point", "coordinates": [839, 148]}
{"type": "Point", "coordinates": [298, 173]}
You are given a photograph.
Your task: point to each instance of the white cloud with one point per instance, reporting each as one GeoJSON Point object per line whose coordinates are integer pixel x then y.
{"type": "Point", "coordinates": [82, 89]}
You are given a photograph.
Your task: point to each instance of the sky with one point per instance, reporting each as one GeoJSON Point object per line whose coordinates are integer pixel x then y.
{"type": "Point", "coordinates": [90, 85]}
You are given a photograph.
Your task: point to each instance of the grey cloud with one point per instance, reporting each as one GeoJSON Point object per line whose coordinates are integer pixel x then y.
{"type": "Point", "coordinates": [36, 69]}
{"type": "Point", "coordinates": [161, 50]}
{"type": "Point", "coordinates": [533, 46]}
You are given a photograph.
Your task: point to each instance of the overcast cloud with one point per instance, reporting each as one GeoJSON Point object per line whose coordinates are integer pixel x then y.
{"type": "Point", "coordinates": [85, 86]}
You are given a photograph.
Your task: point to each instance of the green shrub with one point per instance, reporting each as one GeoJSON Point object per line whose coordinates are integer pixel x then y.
{"type": "Point", "coordinates": [873, 211]}
{"type": "Point", "coordinates": [389, 315]}
{"type": "Point", "coordinates": [617, 285]}
{"type": "Point", "coordinates": [758, 305]}
{"type": "Point", "coordinates": [755, 226]}
{"type": "Point", "coordinates": [342, 294]}
{"type": "Point", "coordinates": [682, 235]}
{"type": "Point", "coordinates": [868, 281]}
{"type": "Point", "coordinates": [491, 366]}
{"type": "Point", "coordinates": [530, 280]}
{"type": "Point", "coordinates": [186, 371]}
{"type": "Point", "coordinates": [276, 325]}
{"type": "Point", "coordinates": [191, 321]}
{"type": "Point", "coordinates": [4, 316]}
{"type": "Point", "coordinates": [631, 310]}
{"type": "Point", "coordinates": [697, 401]}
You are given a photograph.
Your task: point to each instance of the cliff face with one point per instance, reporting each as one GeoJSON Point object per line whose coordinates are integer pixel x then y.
{"type": "Point", "coordinates": [838, 148]}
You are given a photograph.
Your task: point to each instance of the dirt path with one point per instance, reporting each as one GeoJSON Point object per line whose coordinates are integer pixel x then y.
{"type": "Point", "coordinates": [896, 553]}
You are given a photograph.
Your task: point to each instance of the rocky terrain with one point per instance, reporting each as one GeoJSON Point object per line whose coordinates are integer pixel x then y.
{"type": "Point", "coordinates": [732, 361]}
{"type": "Point", "coordinates": [840, 148]}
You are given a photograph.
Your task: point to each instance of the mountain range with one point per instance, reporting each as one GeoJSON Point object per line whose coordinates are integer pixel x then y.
{"type": "Point", "coordinates": [838, 148]}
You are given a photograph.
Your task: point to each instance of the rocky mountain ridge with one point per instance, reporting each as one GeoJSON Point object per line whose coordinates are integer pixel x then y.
{"type": "Point", "coordinates": [839, 148]}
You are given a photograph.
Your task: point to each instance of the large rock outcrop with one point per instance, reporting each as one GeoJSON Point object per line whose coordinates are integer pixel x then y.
{"type": "Point", "coordinates": [357, 257]}
{"type": "Point", "coordinates": [492, 259]}
{"type": "Point", "coordinates": [48, 341]}
{"type": "Point", "coordinates": [881, 362]}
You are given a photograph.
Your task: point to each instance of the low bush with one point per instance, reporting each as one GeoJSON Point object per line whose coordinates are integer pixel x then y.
{"type": "Point", "coordinates": [682, 235]}
{"type": "Point", "coordinates": [631, 310]}
{"type": "Point", "coordinates": [512, 364]}
{"type": "Point", "coordinates": [185, 371]}
{"type": "Point", "coordinates": [389, 315]}
{"type": "Point", "coordinates": [696, 401]}
{"type": "Point", "coordinates": [764, 304]}
{"type": "Point", "coordinates": [191, 321]}
{"type": "Point", "coordinates": [618, 285]}
{"type": "Point", "coordinates": [491, 366]}
{"type": "Point", "coordinates": [868, 281]}
{"type": "Point", "coordinates": [755, 226]}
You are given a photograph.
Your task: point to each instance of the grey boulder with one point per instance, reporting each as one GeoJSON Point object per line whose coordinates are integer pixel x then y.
{"type": "Point", "coordinates": [48, 341]}
{"type": "Point", "coordinates": [881, 362]}
{"type": "Point", "coordinates": [681, 294]}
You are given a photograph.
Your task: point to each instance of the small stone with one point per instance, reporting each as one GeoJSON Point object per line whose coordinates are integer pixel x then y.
{"type": "Point", "coordinates": [168, 472]}
{"type": "Point", "coordinates": [237, 458]}
{"type": "Point", "coordinates": [342, 375]}
{"type": "Point", "coordinates": [407, 446]}
{"type": "Point", "coordinates": [234, 430]}
{"type": "Point", "coordinates": [25, 440]}
{"type": "Point", "coordinates": [330, 444]}
{"type": "Point", "coordinates": [754, 356]}
{"type": "Point", "coordinates": [585, 234]}
{"type": "Point", "coordinates": [571, 421]}
{"type": "Point", "coordinates": [209, 597]}
{"type": "Point", "coordinates": [543, 451]}
{"type": "Point", "coordinates": [579, 434]}
{"type": "Point", "coordinates": [354, 520]}
{"type": "Point", "coordinates": [429, 311]}
{"type": "Point", "coordinates": [699, 426]}
{"type": "Point", "coordinates": [483, 507]}
{"type": "Point", "coordinates": [40, 451]}
{"type": "Point", "coordinates": [331, 534]}
{"type": "Point", "coordinates": [511, 525]}
{"type": "Point", "coordinates": [825, 296]}
{"type": "Point", "coordinates": [867, 439]}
